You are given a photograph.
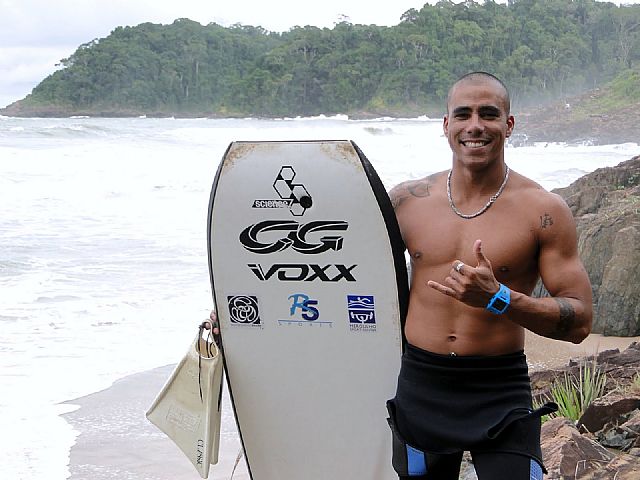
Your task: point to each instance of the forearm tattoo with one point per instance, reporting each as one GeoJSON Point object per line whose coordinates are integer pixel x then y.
{"type": "Point", "coordinates": [567, 318]}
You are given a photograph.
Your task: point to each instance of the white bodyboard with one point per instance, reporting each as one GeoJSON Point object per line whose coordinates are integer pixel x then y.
{"type": "Point", "coordinates": [309, 280]}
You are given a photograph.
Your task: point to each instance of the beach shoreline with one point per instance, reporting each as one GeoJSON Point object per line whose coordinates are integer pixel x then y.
{"type": "Point", "coordinates": [546, 353]}
{"type": "Point", "coordinates": [116, 441]}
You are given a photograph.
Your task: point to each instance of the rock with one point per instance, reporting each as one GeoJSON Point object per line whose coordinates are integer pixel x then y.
{"type": "Point", "coordinates": [559, 123]}
{"type": "Point", "coordinates": [609, 427]}
{"type": "Point", "coordinates": [633, 424]}
{"type": "Point", "coordinates": [619, 367]}
{"type": "Point", "coordinates": [616, 311]}
{"type": "Point", "coordinates": [609, 409]}
{"type": "Point", "coordinates": [630, 357]}
{"type": "Point", "coordinates": [623, 467]}
{"type": "Point", "coordinates": [632, 429]}
{"type": "Point", "coordinates": [567, 454]}
{"type": "Point", "coordinates": [606, 206]}
{"type": "Point", "coordinates": [615, 439]}
{"type": "Point", "coordinates": [622, 436]}
{"type": "Point", "coordinates": [601, 187]}
{"type": "Point", "coordinates": [594, 447]}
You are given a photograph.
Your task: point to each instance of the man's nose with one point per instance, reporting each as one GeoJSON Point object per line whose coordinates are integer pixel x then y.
{"type": "Point", "coordinates": [475, 124]}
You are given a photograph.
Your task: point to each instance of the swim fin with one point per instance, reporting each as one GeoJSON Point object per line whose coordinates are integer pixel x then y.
{"type": "Point", "coordinates": [187, 408]}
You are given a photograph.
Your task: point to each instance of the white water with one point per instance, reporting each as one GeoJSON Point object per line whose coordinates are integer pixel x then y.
{"type": "Point", "coordinates": [103, 265]}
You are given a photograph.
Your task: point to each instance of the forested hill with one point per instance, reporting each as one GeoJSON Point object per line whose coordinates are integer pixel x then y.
{"type": "Point", "coordinates": [543, 49]}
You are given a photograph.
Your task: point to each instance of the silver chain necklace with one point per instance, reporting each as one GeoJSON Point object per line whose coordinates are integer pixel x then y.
{"type": "Point", "coordinates": [493, 198]}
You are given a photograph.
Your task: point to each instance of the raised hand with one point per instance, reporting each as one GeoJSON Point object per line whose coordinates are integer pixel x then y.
{"type": "Point", "coordinates": [473, 286]}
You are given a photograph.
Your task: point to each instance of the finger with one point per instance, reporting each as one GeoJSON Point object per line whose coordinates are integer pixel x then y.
{"type": "Point", "coordinates": [456, 280]}
{"type": "Point", "coordinates": [212, 323]}
{"type": "Point", "coordinates": [477, 249]}
{"type": "Point", "coordinates": [213, 326]}
{"type": "Point", "coordinates": [441, 288]}
{"type": "Point", "coordinates": [455, 284]}
{"type": "Point", "coordinates": [458, 267]}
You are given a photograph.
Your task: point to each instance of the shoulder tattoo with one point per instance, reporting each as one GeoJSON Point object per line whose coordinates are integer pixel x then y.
{"type": "Point", "coordinates": [567, 318]}
{"type": "Point", "coordinates": [546, 220]}
{"type": "Point", "coordinates": [397, 197]}
{"type": "Point", "coordinates": [418, 189]}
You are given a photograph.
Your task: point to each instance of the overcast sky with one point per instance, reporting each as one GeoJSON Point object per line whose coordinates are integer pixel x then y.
{"type": "Point", "coordinates": [37, 34]}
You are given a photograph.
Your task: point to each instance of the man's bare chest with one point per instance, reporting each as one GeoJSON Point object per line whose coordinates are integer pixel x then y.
{"type": "Point", "coordinates": [436, 238]}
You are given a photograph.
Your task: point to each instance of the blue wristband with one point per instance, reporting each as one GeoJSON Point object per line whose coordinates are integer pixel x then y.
{"type": "Point", "coordinates": [500, 301]}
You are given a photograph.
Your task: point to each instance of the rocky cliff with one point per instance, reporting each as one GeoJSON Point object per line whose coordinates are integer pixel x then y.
{"type": "Point", "coordinates": [599, 117]}
{"type": "Point", "coordinates": [606, 206]}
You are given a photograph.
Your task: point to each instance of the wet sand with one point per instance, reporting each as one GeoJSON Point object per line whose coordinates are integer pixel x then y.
{"type": "Point", "coordinates": [117, 442]}
{"type": "Point", "coordinates": [545, 353]}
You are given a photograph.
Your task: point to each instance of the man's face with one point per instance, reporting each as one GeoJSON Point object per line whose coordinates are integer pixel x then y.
{"type": "Point", "coordinates": [477, 123]}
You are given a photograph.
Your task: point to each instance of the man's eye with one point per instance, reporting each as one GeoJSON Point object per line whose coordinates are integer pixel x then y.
{"type": "Point", "coordinates": [490, 114]}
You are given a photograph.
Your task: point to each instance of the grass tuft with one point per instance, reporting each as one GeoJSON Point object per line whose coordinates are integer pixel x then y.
{"type": "Point", "coordinates": [574, 394]}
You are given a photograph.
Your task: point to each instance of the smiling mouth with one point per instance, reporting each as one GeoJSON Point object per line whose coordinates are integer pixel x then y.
{"type": "Point", "coordinates": [474, 143]}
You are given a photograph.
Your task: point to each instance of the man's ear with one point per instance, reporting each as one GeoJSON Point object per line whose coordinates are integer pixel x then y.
{"type": "Point", "coordinates": [445, 125]}
{"type": "Point", "coordinates": [511, 123]}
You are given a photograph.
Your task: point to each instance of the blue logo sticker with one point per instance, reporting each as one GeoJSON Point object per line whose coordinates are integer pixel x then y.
{"type": "Point", "coordinates": [303, 310]}
{"type": "Point", "coordinates": [306, 306]}
{"type": "Point", "coordinates": [243, 310]}
{"type": "Point", "coordinates": [362, 313]}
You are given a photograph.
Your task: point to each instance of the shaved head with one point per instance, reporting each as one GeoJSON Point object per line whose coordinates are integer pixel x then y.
{"type": "Point", "coordinates": [479, 78]}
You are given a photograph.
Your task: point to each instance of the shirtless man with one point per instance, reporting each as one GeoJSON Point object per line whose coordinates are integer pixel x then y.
{"type": "Point", "coordinates": [479, 237]}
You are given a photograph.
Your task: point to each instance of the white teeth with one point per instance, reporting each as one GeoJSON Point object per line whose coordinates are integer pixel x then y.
{"type": "Point", "coordinates": [474, 144]}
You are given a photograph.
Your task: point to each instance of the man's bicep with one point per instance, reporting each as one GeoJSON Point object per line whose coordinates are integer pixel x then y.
{"type": "Point", "coordinates": [561, 269]}
{"type": "Point", "coordinates": [565, 277]}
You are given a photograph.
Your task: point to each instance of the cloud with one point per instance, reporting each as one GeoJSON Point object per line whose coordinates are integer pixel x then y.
{"type": "Point", "coordinates": [63, 22]}
{"type": "Point", "coordinates": [21, 65]}
{"type": "Point", "coordinates": [38, 22]}
{"type": "Point", "coordinates": [36, 34]}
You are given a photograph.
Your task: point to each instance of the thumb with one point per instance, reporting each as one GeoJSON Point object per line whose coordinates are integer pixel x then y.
{"type": "Point", "coordinates": [482, 260]}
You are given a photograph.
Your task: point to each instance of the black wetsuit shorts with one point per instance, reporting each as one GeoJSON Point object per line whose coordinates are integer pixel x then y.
{"type": "Point", "coordinates": [445, 405]}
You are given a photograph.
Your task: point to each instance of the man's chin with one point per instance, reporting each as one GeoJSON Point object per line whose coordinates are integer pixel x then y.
{"type": "Point", "coordinates": [476, 161]}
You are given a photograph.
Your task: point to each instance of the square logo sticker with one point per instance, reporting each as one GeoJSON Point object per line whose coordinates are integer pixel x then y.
{"type": "Point", "coordinates": [362, 313]}
{"type": "Point", "coordinates": [243, 310]}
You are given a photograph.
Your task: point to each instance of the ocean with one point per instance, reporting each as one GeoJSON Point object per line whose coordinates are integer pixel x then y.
{"type": "Point", "coordinates": [103, 261]}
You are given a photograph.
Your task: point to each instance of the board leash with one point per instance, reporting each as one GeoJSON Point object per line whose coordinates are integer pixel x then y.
{"type": "Point", "coordinates": [235, 465]}
{"type": "Point", "coordinates": [209, 352]}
